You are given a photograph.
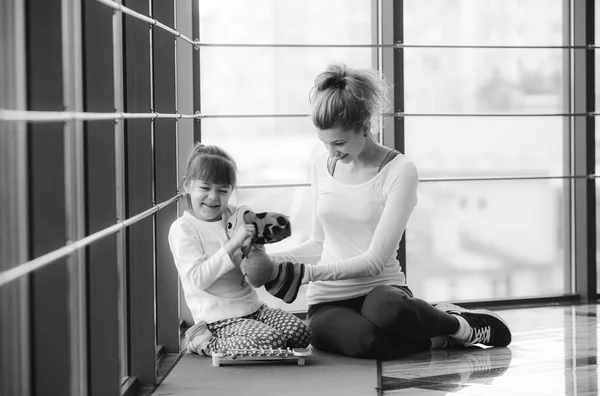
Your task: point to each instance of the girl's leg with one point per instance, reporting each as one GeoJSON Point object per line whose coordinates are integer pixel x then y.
{"type": "Point", "coordinates": [243, 333]}
{"type": "Point", "coordinates": [410, 318]}
{"type": "Point", "coordinates": [296, 332]}
{"type": "Point", "coordinates": [345, 331]}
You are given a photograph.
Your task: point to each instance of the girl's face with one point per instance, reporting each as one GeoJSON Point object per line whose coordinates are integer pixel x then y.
{"type": "Point", "coordinates": [342, 143]}
{"type": "Point", "coordinates": [209, 201]}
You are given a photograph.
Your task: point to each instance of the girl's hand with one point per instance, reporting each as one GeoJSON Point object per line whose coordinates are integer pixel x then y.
{"type": "Point", "coordinates": [243, 236]}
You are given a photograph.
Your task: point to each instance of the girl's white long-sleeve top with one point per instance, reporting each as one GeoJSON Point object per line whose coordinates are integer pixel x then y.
{"type": "Point", "coordinates": [356, 231]}
{"type": "Point", "coordinates": [211, 282]}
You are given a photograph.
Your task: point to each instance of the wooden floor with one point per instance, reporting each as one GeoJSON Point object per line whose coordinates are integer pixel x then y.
{"type": "Point", "coordinates": [554, 352]}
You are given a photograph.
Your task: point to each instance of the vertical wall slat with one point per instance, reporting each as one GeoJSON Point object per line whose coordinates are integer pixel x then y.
{"type": "Point", "coordinates": [196, 70]}
{"type": "Point", "coordinates": [49, 298]}
{"type": "Point", "coordinates": [15, 362]}
{"type": "Point", "coordinates": [396, 10]}
{"type": "Point", "coordinates": [583, 153]}
{"type": "Point", "coordinates": [102, 276]}
{"type": "Point", "coordinates": [185, 105]}
{"type": "Point", "coordinates": [138, 163]}
{"type": "Point", "coordinates": [567, 126]}
{"type": "Point", "coordinates": [165, 173]}
{"type": "Point", "coordinates": [119, 150]}
{"type": "Point", "coordinates": [74, 193]}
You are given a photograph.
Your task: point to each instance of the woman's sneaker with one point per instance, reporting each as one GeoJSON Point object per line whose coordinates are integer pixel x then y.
{"type": "Point", "coordinates": [488, 327]}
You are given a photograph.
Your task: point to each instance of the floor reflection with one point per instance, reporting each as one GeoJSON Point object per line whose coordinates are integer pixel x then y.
{"type": "Point", "coordinates": [554, 352]}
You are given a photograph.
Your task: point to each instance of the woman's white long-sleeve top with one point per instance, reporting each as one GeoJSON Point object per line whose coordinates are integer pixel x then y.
{"type": "Point", "coordinates": [356, 231]}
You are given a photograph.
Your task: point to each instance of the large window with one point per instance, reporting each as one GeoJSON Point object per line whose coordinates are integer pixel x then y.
{"type": "Point", "coordinates": [486, 239]}
{"type": "Point", "coordinates": [468, 239]}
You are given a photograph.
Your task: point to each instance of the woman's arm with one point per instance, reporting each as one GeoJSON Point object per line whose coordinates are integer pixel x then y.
{"type": "Point", "coordinates": [309, 252]}
{"type": "Point", "coordinates": [192, 262]}
{"type": "Point", "coordinates": [400, 202]}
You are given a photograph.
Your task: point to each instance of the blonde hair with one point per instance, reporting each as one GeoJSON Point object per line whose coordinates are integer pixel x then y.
{"type": "Point", "coordinates": [348, 98]}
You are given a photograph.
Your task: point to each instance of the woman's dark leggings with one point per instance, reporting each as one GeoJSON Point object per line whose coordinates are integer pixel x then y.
{"type": "Point", "coordinates": [387, 323]}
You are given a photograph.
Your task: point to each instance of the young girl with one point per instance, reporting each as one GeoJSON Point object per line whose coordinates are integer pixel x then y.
{"type": "Point", "coordinates": [227, 312]}
{"type": "Point", "coordinates": [364, 194]}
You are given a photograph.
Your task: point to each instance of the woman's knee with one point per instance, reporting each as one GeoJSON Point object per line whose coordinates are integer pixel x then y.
{"type": "Point", "coordinates": [387, 307]}
{"type": "Point", "coordinates": [359, 340]}
{"type": "Point", "coordinates": [351, 345]}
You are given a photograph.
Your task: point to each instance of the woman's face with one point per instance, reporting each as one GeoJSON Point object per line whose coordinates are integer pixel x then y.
{"type": "Point", "coordinates": [344, 144]}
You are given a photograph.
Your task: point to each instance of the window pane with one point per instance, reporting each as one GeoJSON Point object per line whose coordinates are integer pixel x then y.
{"type": "Point", "coordinates": [596, 25]}
{"type": "Point", "coordinates": [267, 150]}
{"type": "Point", "coordinates": [482, 240]}
{"type": "Point", "coordinates": [267, 80]}
{"type": "Point", "coordinates": [295, 202]}
{"type": "Point", "coordinates": [286, 21]}
{"type": "Point", "coordinates": [483, 80]}
{"type": "Point", "coordinates": [485, 146]}
{"type": "Point", "coordinates": [597, 70]}
{"type": "Point", "coordinates": [479, 239]}
{"type": "Point", "coordinates": [483, 22]}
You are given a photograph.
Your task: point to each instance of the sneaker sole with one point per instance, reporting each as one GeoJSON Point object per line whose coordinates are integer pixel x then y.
{"type": "Point", "coordinates": [451, 307]}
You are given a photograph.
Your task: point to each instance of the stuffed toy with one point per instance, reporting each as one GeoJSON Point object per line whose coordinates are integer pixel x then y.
{"type": "Point", "coordinates": [280, 279]}
{"type": "Point", "coordinates": [270, 227]}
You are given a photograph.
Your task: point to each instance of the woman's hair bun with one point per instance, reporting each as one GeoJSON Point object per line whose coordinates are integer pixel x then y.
{"type": "Point", "coordinates": [348, 98]}
{"type": "Point", "coordinates": [333, 77]}
{"type": "Point", "coordinates": [340, 84]}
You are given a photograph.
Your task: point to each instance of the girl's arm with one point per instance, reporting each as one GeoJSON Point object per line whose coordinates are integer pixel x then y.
{"type": "Point", "coordinates": [192, 262]}
{"type": "Point", "coordinates": [401, 200]}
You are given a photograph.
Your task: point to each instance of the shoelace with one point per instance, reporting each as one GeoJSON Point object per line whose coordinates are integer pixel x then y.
{"type": "Point", "coordinates": [481, 362]}
{"type": "Point", "coordinates": [481, 335]}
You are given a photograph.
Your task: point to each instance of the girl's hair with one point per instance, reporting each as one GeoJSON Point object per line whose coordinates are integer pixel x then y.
{"type": "Point", "coordinates": [348, 98]}
{"type": "Point", "coordinates": [211, 164]}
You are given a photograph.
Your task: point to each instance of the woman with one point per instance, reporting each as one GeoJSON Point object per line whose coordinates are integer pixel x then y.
{"type": "Point", "coordinates": [364, 194]}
